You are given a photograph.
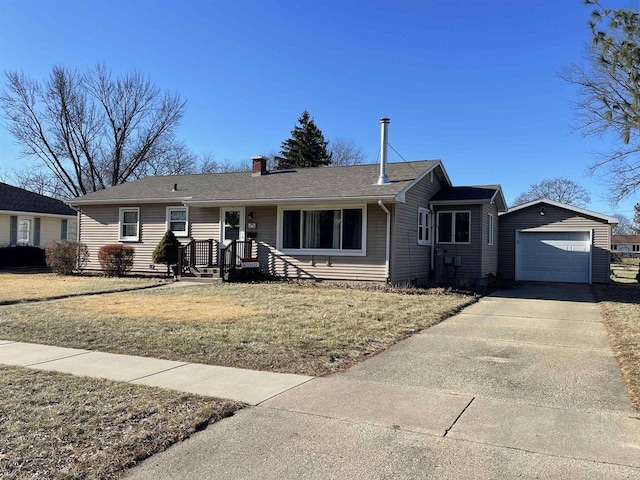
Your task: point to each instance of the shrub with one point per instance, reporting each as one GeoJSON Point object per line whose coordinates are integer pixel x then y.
{"type": "Point", "coordinates": [66, 256]}
{"type": "Point", "coordinates": [22, 256]}
{"type": "Point", "coordinates": [116, 260]}
{"type": "Point", "coordinates": [167, 251]}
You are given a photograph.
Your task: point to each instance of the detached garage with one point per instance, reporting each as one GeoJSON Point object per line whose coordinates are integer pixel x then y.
{"type": "Point", "coordinates": [547, 241]}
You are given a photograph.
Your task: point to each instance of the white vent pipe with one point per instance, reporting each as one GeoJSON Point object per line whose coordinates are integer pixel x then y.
{"type": "Point", "coordinates": [384, 133]}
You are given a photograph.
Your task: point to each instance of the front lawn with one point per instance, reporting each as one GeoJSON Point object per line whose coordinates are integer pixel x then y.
{"type": "Point", "coordinates": [304, 328]}
{"type": "Point", "coordinates": [57, 426]}
{"type": "Point", "coordinates": [20, 287]}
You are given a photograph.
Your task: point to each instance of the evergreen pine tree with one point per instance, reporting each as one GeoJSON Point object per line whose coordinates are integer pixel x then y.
{"type": "Point", "coordinates": [167, 251]}
{"type": "Point", "coordinates": [306, 147]}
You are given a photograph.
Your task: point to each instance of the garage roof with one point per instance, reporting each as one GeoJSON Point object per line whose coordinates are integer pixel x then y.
{"type": "Point", "coordinates": [548, 201]}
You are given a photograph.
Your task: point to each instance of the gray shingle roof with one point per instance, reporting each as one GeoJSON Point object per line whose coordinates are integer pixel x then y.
{"type": "Point", "coordinates": [16, 199]}
{"type": "Point", "coordinates": [301, 184]}
{"type": "Point", "coordinates": [625, 239]}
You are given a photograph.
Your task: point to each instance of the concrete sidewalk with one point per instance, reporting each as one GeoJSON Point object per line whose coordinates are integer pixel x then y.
{"type": "Point", "coordinates": [522, 384]}
{"type": "Point", "coordinates": [247, 386]}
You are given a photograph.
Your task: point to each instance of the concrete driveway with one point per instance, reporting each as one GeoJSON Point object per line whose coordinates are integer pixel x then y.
{"type": "Point", "coordinates": [522, 384]}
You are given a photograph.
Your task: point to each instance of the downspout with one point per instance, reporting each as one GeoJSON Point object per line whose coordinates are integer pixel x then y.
{"type": "Point", "coordinates": [433, 232]}
{"type": "Point", "coordinates": [387, 269]}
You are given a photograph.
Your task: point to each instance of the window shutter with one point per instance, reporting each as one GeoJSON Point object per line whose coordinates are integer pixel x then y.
{"type": "Point", "coordinates": [36, 232]}
{"type": "Point", "coordinates": [13, 230]}
{"type": "Point", "coordinates": [63, 229]}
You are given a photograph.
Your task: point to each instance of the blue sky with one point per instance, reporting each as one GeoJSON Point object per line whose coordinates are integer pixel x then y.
{"type": "Point", "coordinates": [472, 82]}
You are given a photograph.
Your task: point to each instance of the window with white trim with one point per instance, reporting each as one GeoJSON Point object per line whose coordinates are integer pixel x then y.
{"type": "Point", "coordinates": [490, 228]}
{"type": "Point", "coordinates": [72, 230]}
{"type": "Point", "coordinates": [424, 226]}
{"type": "Point", "coordinates": [323, 231]}
{"type": "Point", "coordinates": [25, 230]}
{"type": "Point", "coordinates": [129, 224]}
{"type": "Point", "coordinates": [454, 227]}
{"type": "Point", "coordinates": [177, 221]}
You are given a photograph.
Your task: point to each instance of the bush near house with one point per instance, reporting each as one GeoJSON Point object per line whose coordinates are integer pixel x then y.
{"type": "Point", "coordinates": [66, 256]}
{"type": "Point", "coordinates": [167, 251]}
{"type": "Point", "coordinates": [116, 260]}
{"type": "Point", "coordinates": [22, 256]}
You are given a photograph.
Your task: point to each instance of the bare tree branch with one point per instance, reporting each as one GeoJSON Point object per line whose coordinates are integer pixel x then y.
{"type": "Point", "coordinates": [609, 95]}
{"type": "Point", "coordinates": [345, 152]}
{"type": "Point", "coordinates": [559, 189]}
{"type": "Point", "coordinates": [92, 130]}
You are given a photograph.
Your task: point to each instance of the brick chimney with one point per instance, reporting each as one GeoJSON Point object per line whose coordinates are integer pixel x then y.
{"type": "Point", "coordinates": [259, 166]}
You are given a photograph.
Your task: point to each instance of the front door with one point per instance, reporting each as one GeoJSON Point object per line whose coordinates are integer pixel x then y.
{"type": "Point", "coordinates": [231, 224]}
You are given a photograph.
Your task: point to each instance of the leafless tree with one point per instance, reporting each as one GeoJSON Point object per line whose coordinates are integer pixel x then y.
{"type": "Point", "coordinates": [208, 164]}
{"type": "Point", "coordinates": [92, 130]}
{"type": "Point", "coordinates": [37, 180]}
{"type": "Point", "coordinates": [609, 94]}
{"type": "Point", "coordinates": [345, 152]}
{"type": "Point", "coordinates": [559, 189]}
{"type": "Point", "coordinates": [624, 226]}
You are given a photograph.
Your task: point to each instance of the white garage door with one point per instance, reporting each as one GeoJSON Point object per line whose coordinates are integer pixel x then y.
{"type": "Point", "coordinates": [553, 257]}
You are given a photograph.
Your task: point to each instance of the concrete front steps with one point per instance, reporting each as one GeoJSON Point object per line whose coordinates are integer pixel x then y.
{"type": "Point", "coordinates": [202, 274]}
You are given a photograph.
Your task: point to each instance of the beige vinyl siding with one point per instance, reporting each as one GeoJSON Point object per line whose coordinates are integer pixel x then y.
{"type": "Point", "coordinates": [99, 226]}
{"type": "Point", "coordinates": [489, 259]}
{"type": "Point", "coordinates": [5, 229]}
{"type": "Point", "coordinates": [557, 219]}
{"type": "Point", "coordinates": [327, 267]}
{"type": "Point", "coordinates": [204, 223]}
{"type": "Point", "coordinates": [410, 262]}
{"type": "Point", "coordinates": [50, 229]}
{"type": "Point", "coordinates": [469, 270]}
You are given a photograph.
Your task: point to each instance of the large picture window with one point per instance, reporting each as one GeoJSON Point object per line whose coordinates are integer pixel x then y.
{"type": "Point", "coordinates": [177, 221]}
{"type": "Point", "coordinates": [130, 224]}
{"type": "Point", "coordinates": [454, 227]}
{"type": "Point", "coordinates": [315, 230]}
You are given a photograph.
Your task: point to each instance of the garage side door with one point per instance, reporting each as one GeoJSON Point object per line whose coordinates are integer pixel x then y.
{"type": "Point", "coordinates": [553, 257]}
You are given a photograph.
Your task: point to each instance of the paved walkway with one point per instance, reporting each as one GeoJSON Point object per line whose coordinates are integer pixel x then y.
{"type": "Point", "coordinates": [522, 384]}
{"type": "Point", "coordinates": [248, 386]}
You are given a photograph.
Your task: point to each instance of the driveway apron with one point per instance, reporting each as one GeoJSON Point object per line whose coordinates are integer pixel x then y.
{"type": "Point", "coordinates": [521, 384]}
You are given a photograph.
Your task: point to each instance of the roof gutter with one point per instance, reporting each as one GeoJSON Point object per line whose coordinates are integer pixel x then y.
{"type": "Point", "coordinates": [282, 201]}
{"type": "Point", "coordinates": [122, 201]}
{"type": "Point", "coordinates": [387, 251]}
{"type": "Point", "coordinates": [473, 201]}
{"type": "Point", "coordinates": [37, 214]}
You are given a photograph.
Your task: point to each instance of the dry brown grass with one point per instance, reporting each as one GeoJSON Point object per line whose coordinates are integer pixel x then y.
{"type": "Point", "coordinates": [306, 329]}
{"type": "Point", "coordinates": [58, 426]}
{"type": "Point", "coordinates": [17, 287]}
{"type": "Point", "coordinates": [620, 307]}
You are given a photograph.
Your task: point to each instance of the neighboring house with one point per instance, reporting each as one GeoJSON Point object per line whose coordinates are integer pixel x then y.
{"type": "Point", "coordinates": [27, 218]}
{"type": "Point", "coordinates": [549, 241]}
{"type": "Point", "coordinates": [323, 223]}
{"type": "Point", "coordinates": [625, 244]}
